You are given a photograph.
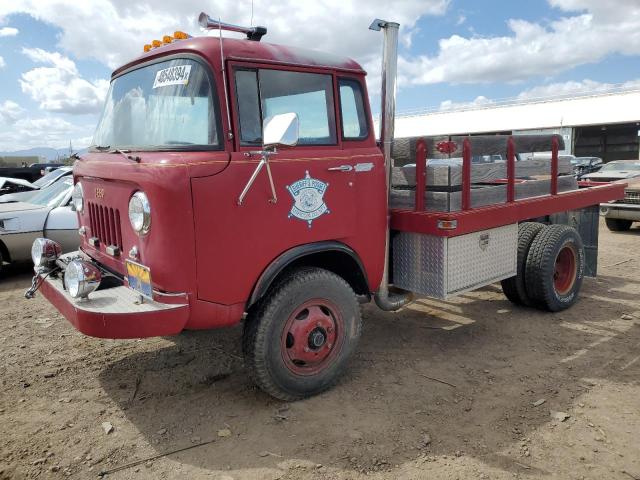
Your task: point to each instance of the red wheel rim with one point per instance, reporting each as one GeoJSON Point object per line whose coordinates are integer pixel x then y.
{"type": "Point", "coordinates": [564, 275]}
{"type": "Point", "coordinates": [312, 337]}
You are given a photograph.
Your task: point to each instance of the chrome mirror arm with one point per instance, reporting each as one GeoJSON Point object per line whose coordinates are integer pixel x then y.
{"type": "Point", "coordinates": [264, 161]}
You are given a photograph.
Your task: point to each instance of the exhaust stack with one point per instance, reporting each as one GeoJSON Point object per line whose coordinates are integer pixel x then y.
{"type": "Point", "coordinates": [385, 300]}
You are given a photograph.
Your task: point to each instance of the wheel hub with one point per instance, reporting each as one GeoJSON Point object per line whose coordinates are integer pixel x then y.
{"type": "Point", "coordinates": [564, 275]}
{"type": "Point", "coordinates": [309, 337]}
{"type": "Point", "coordinates": [317, 338]}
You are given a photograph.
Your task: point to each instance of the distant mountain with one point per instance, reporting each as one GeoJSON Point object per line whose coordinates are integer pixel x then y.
{"type": "Point", "coordinates": [50, 154]}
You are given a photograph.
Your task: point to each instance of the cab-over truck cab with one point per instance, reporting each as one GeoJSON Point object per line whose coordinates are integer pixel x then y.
{"type": "Point", "coordinates": [167, 203]}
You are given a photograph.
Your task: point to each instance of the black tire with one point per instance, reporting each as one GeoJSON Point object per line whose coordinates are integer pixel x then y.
{"type": "Point", "coordinates": [617, 224]}
{"type": "Point", "coordinates": [268, 339]}
{"type": "Point", "coordinates": [555, 268]}
{"type": "Point", "coordinates": [514, 288]}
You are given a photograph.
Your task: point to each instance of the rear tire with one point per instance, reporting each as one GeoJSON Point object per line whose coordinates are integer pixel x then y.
{"type": "Point", "coordinates": [617, 224]}
{"type": "Point", "coordinates": [555, 268]}
{"type": "Point", "coordinates": [514, 288]}
{"type": "Point", "coordinates": [298, 340]}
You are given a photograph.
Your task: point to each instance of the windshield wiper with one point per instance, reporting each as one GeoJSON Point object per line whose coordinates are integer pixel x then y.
{"type": "Point", "coordinates": [108, 149]}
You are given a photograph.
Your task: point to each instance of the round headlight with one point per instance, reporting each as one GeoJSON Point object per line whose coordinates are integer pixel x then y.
{"type": "Point", "coordinates": [140, 212]}
{"type": "Point", "coordinates": [81, 278]}
{"type": "Point", "coordinates": [77, 197]}
{"type": "Point", "coordinates": [44, 252]}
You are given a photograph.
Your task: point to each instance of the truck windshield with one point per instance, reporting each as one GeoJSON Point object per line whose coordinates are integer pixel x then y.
{"type": "Point", "coordinates": [166, 105]}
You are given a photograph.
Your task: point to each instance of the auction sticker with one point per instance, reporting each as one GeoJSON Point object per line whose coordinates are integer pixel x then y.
{"type": "Point", "coordinates": [178, 75]}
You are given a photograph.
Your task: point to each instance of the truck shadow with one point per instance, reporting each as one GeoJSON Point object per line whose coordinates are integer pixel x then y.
{"type": "Point", "coordinates": [16, 275]}
{"type": "Point", "coordinates": [462, 382]}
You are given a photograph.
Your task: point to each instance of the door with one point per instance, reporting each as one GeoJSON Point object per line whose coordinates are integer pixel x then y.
{"type": "Point", "coordinates": [314, 182]}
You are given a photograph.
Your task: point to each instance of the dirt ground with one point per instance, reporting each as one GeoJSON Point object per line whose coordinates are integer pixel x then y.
{"type": "Point", "coordinates": [527, 394]}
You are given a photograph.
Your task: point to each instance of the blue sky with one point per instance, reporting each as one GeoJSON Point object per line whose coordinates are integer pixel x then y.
{"type": "Point", "coordinates": [57, 55]}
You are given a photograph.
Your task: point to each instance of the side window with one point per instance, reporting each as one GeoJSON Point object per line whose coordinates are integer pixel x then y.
{"type": "Point", "coordinates": [248, 102]}
{"type": "Point", "coordinates": [309, 95]}
{"type": "Point", "coordinates": [354, 118]}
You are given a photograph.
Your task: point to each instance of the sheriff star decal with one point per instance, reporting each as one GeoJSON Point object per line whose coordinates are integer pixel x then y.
{"type": "Point", "coordinates": [308, 201]}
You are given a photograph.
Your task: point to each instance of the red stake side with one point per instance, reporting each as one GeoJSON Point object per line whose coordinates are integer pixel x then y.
{"type": "Point", "coordinates": [511, 170]}
{"type": "Point", "coordinates": [482, 218]}
{"type": "Point", "coordinates": [468, 220]}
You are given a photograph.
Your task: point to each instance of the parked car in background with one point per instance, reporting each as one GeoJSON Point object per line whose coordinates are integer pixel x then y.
{"type": "Point", "coordinates": [10, 185]}
{"type": "Point", "coordinates": [620, 215]}
{"type": "Point", "coordinates": [30, 190]}
{"type": "Point", "coordinates": [585, 165]}
{"type": "Point", "coordinates": [31, 173]}
{"type": "Point", "coordinates": [48, 214]}
{"type": "Point", "coordinates": [616, 170]}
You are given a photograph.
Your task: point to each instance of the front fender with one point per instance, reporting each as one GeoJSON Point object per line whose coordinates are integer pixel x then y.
{"type": "Point", "coordinates": [277, 266]}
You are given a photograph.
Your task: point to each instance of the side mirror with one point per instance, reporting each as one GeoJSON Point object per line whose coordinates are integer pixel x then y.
{"type": "Point", "coordinates": [280, 130]}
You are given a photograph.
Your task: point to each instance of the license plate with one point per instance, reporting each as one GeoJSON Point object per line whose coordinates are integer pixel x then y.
{"type": "Point", "coordinates": [139, 278]}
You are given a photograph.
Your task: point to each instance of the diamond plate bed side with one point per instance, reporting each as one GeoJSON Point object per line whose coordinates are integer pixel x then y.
{"type": "Point", "coordinates": [481, 258]}
{"type": "Point", "coordinates": [419, 263]}
{"type": "Point", "coordinates": [439, 267]}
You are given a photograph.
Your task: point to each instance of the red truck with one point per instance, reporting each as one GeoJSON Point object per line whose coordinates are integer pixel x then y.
{"type": "Point", "coordinates": [234, 180]}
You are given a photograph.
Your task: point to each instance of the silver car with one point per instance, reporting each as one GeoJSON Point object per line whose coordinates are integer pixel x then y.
{"type": "Point", "coordinates": [48, 214]}
{"type": "Point", "coordinates": [616, 170]}
{"type": "Point", "coordinates": [30, 189]}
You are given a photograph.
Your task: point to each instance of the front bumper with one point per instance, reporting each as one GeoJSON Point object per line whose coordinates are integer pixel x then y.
{"type": "Point", "coordinates": [622, 211]}
{"type": "Point", "coordinates": [116, 312]}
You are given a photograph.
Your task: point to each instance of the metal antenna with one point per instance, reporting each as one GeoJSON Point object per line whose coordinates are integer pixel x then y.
{"type": "Point", "coordinates": [252, 13]}
{"type": "Point", "coordinates": [224, 82]}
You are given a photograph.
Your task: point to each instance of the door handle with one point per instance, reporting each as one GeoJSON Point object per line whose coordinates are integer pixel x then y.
{"type": "Point", "coordinates": [341, 168]}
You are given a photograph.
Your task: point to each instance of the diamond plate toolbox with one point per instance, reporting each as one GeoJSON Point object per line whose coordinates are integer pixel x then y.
{"type": "Point", "coordinates": [439, 266]}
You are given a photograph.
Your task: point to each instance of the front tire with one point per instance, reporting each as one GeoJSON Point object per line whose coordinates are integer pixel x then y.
{"type": "Point", "coordinates": [298, 341]}
{"type": "Point", "coordinates": [555, 268]}
{"type": "Point", "coordinates": [617, 224]}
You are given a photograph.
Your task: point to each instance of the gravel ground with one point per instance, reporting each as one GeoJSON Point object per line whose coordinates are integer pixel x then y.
{"type": "Point", "coordinates": [468, 388]}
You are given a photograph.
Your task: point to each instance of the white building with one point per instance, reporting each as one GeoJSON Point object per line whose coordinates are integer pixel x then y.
{"type": "Point", "coordinates": [602, 124]}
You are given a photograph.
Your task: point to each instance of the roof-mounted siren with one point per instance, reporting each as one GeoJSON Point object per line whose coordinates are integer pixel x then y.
{"type": "Point", "coordinates": [252, 33]}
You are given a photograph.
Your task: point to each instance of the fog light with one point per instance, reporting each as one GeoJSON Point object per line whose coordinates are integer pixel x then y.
{"type": "Point", "coordinates": [81, 278]}
{"type": "Point", "coordinates": [604, 210]}
{"type": "Point", "coordinates": [44, 253]}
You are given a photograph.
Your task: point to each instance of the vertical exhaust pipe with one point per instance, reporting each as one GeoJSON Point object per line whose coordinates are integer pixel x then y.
{"type": "Point", "coordinates": [383, 298]}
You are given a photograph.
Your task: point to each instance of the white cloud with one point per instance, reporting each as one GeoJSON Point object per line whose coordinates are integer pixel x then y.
{"type": "Point", "coordinates": [10, 112]}
{"type": "Point", "coordinates": [574, 87]}
{"type": "Point", "coordinates": [451, 105]}
{"type": "Point", "coordinates": [540, 92]}
{"type": "Point", "coordinates": [45, 131]}
{"type": "Point", "coordinates": [59, 87]}
{"type": "Point", "coordinates": [8, 32]}
{"type": "Point", "coordinates": [590, 30]}
{"type": "Point", "coordinates": [114, 32]}
{"type": "Point", "coordinates": [2, 63]}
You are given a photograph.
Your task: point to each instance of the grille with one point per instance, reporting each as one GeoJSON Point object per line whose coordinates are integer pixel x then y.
{"type": "Point", "coordinates": [105, 224]}
{"type": "Point", "coordinates": [632, 197]}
